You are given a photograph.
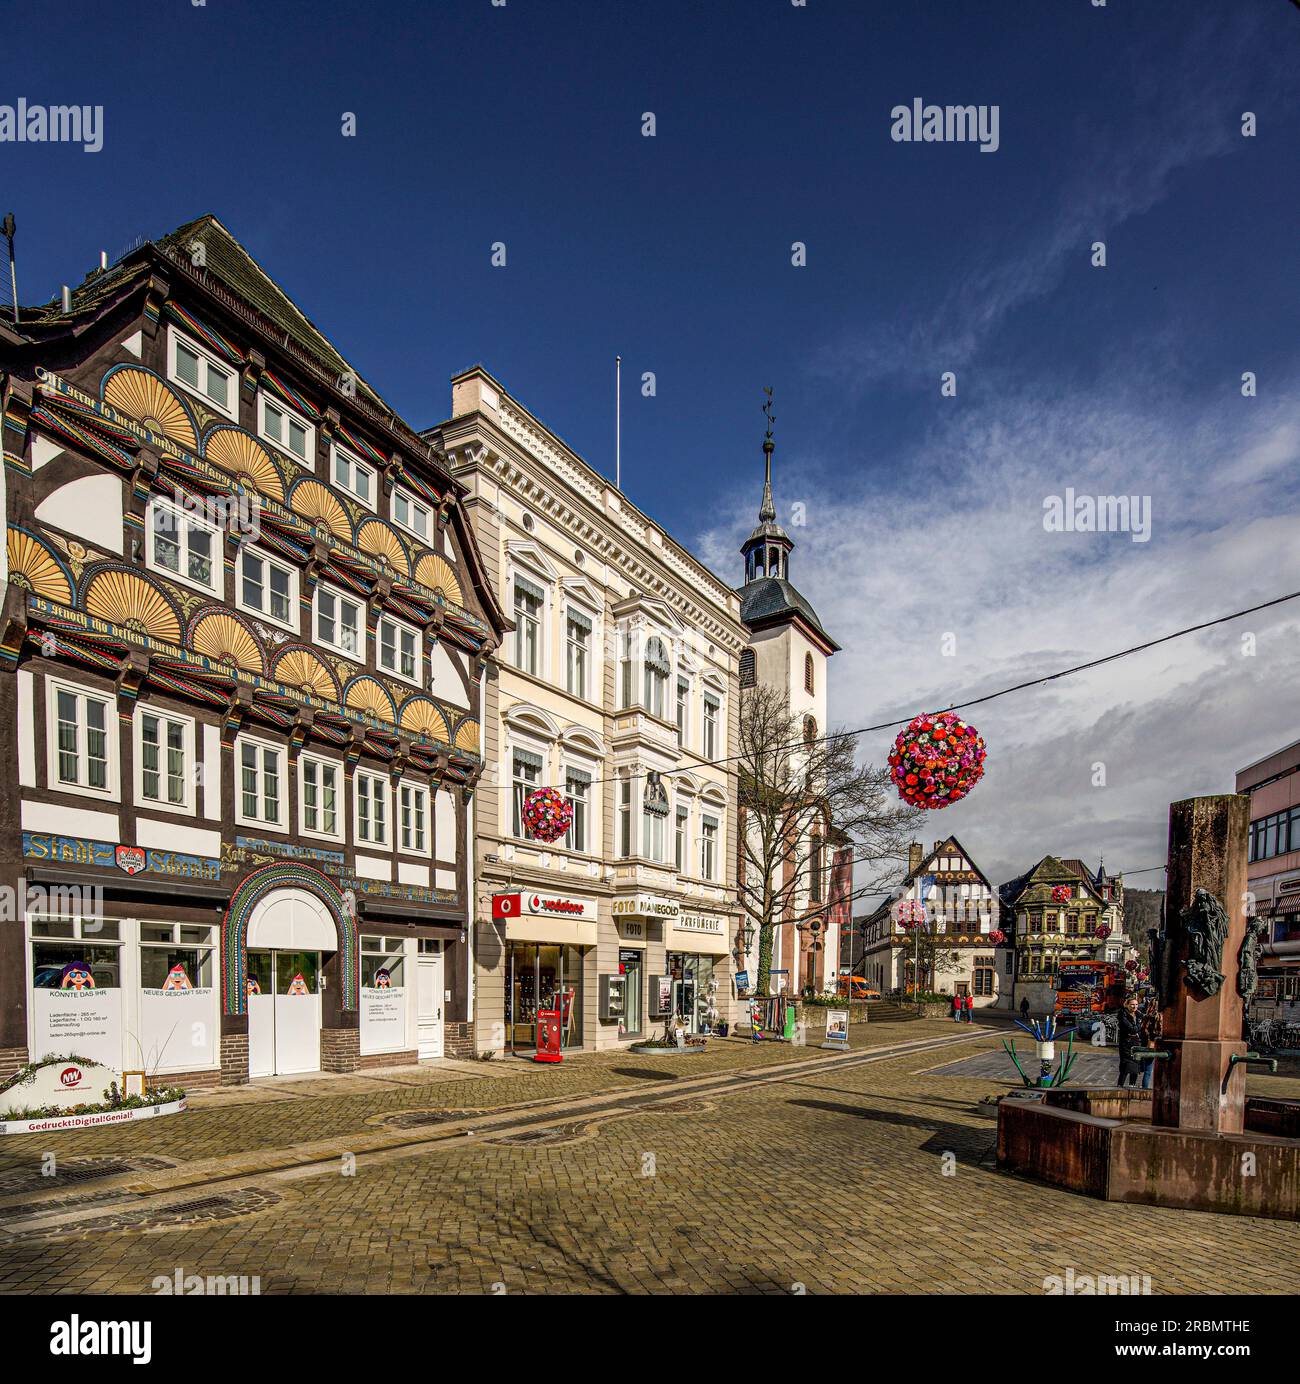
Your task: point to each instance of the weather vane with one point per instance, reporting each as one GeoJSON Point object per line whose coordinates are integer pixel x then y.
{"type": "Point", "coordinates": [767, 410]}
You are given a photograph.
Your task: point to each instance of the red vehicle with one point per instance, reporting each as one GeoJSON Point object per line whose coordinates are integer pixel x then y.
{"type": "Point", "coordinates": [1089, 987]}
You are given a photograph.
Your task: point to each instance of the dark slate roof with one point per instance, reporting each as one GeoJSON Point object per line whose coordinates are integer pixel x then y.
{"type": "Point", "coordinates": [766, 599]}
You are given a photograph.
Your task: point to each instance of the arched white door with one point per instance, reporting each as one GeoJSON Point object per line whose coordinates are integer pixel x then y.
{"type": "Point", "coordinates": [287, 933]}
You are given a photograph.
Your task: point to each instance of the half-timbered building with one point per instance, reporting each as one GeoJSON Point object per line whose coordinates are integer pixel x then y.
{"type": "Point", "coordinates": [244, 632]}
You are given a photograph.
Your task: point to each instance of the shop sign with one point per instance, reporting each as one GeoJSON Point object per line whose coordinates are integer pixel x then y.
{"type": "Point", "coordinates": [541, 906]}
{"type": "Point", "coordinates": [631, 927]}
{"type": "Point", "coordinates": [712, 923]}
{"type": "Point", "coordinates": [62, 1084]}
{"type": "Point", "coordinates": [133, 860]}
{"type": "Point", "coordinates": [86, 1022]}
{"type": "Point", "coordinates": [837, 1026]}
{"type": "Point", "coordinates": [646, 906]}
{"type": "Point", "coordinates": [383, 1016]}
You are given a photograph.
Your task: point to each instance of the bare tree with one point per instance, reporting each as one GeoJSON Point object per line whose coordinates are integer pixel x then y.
{"type": "Point", "coordinates": [797, 789]}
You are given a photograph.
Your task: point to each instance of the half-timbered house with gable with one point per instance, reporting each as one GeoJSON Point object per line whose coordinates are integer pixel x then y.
{"type": "Point", "coordinates": [244, 632]}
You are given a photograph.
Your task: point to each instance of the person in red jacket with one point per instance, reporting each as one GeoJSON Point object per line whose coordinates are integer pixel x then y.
{"type": "Point", "coordinates": [956, 1009]}
{"type": "Point", "coordinates": [968, 1004]}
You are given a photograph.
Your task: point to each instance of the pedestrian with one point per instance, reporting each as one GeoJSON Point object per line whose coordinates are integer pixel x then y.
{"type": "Point", "coordinates": [956, 1009]}
{"type": "Point", "coordinates": [1024, 1009]}
{"type": "Point", "coordinates": [969, 1005]}
{"type": "Point", "coordinates": [1130, 1038]}
{"type": "Point", "coordinates": [1152, 1029]}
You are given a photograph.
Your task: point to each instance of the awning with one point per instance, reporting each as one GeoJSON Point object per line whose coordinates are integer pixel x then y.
{"type": "Point", "coordinates": [583, 622]}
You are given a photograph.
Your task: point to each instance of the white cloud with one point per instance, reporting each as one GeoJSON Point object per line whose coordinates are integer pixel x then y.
{"type": "Point", "coordinates": [953, 540]}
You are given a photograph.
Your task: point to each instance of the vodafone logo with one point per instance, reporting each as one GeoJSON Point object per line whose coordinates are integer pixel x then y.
{"type": "Point", "coordinates": [70, 1076]}
{"type": "Point", "coordinates": [535, 905]}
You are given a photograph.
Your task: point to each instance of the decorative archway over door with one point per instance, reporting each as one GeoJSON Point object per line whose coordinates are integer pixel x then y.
{"type": "Point", "coordinates": [244, 904]}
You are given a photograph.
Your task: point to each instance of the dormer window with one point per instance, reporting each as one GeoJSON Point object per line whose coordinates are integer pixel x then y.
{"type": "Point", "coordinates": [411, 514]}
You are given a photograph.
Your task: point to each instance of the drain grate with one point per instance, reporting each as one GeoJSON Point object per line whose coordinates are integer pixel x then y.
{"type": "Point", "coordinates": [70, 1170]}
{"type": "Point", "coordinates": [176, 1214]}
{"type": "Point", "coordinates": [556, 1134]}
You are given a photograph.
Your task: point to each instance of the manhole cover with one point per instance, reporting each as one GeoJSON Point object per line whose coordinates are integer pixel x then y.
{"type": "Point", "coordinates": [556, 1134]}
{"type": "Point", "coordinates": [420, 1119]}
{"type": "Point", "coordinates": [686, 1107]}
{"type": "Point", "coordinates": [215, 1208]}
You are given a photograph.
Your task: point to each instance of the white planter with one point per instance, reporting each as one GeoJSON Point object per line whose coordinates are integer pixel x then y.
{"type": "Point", "coordinates": [103, 1117]}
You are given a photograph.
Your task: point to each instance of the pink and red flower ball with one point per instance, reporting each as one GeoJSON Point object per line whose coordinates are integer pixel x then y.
{"type": "Point", "coordinates": [936, 760]}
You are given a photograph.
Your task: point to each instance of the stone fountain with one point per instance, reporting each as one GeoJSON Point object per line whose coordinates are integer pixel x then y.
{"type": "Point", "coordinates": [1196, 1140]}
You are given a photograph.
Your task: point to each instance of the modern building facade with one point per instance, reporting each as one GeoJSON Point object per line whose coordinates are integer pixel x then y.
{"type": "Point", "coordinates": [1273, 876]}
{"type": "Point", "coordinates": [790, 652]}
{"type": "Point", "coordinates": [244, 632]}
{"type": "Point", "coordinates": [956, 953]}
{"type": "Point", "coordinates": [617, 686]}
{"type": "Point", "coordinates": [1062, 911]}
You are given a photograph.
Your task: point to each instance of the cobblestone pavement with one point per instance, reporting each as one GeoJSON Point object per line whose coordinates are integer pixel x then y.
{"type": "Point", "coordinates": [826, 1178]}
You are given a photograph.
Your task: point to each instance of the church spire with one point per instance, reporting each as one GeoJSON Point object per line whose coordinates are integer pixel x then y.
{"type": "Point", "coordinates": [767, 549]}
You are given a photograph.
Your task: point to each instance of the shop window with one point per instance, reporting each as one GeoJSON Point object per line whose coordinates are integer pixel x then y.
{"type": "Point", "coordinates": [164, 760]}
{"type": "Point", "coordinates": [414, 806]}
{"type": "Point", "coordinates": [541, 976]}
{"type": "Point", "coordinates": [183, 546]}
{"type": "Point", "coordinates": [412, 514]}
{"type": "Point", "coordinates": [399, 649]}
{"type": "Point", "coordinates": [353, 475]}
{"type": "Point", "coordinates": [82, 740]}
{"type": "Point", "coordinates": [261, 783]}
{"type": "Point", "coordinates": [319, 793]}
{"type": "Point", "coordinates": [339, 622]}
{"type": "Point", "coordinates": [383, 960]}
{"type": "Point", "coordinates": [79, 953]}
{"type": "Point", "coordinates": [286, 429]}
{"type": "Point", "coordinates": [175, 957]}
{"type": "Point", "coordinates": [267, 587]}
{"type": "Point", "coordinates": [370, 793]}
{"type": "Point", "coordinates": [199, 371]}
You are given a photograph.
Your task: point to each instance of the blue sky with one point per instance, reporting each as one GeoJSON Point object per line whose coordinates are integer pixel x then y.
{"type": "Point", "coordinates": [522, 123]}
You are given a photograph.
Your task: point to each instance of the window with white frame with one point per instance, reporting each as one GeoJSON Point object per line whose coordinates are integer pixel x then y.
{"type": "Point", "coordinates": [182, 545]}
{"type": "Point", "coordinates": [412, 514]}
{"type": "Point", "coordinates": [708, 847]}
{"type": "Point", "coordinates": [657, 670]}
{"type": "Point", "coordinates": [413, 810]}
{"type": "Point", "coordinates": [353, 475]}
{"type": "Point", "coordinates": [202, 372]}
{"type": "Point", "coordinates": [654, 814]}
{"type": "Point", "coordinates": [320, 794]}
{"type": "Point", "coordinates": [398, 649]}
{"type": "Point", "coordinates": [577, 789]}
{"type": "Point", "coordinates": [164, 755]}
{"type": "Point", "coordinates": [340, 622]}
{"type": "Point", "coordinates": [529, 603]}
{"type": "Point", "coordinates": [626, 786]}
{"type": "Point", "coordinates": [681, 837]}
{"type": "Point", "coordinates": [683, 711]}
{"type": "Point", "coordinates": [370, 794]}
{"type": "Point", "coordinates": [711, 708]}
{"type": "Point", "coordinates": [525, 775]}
{"type": "Point", "coordinates": [577, 650]}
{"type": "Point", "coordinates": [82, 737]}
{"type": "Point", "coordinates": [261, 800]}
{"type": "Point", "coordinates": [286, 429]}
{"type": "Point", "coordinates": [267, 587]}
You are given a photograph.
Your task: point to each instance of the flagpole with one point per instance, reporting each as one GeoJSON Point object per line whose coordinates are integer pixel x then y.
{"type": "Point", "coordinates": [618, 423]}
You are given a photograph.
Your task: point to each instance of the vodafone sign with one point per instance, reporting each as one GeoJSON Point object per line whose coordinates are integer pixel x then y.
{"type": "Point", "coordinates": [542, 906]}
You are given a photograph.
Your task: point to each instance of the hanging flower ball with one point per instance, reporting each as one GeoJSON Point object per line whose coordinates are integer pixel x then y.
{"type": "Point", "coordinates": [909, 913]}
{"type": "Point", "coordinates": [1061, 893]}
{"type": "Point", "coordinates": [1131, 965]}
{"type": "Point", "coordinates": [1103, 932]}
{"type": "Point", "coordinates": [547, 814]}
{"type": "Point", "coordinates": [936, 760]}
{"type": "Point", "coordinates": [997, 937]}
